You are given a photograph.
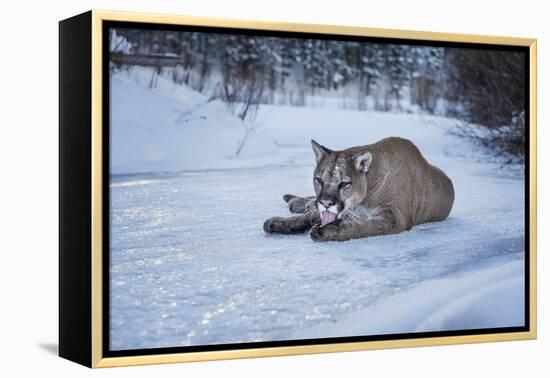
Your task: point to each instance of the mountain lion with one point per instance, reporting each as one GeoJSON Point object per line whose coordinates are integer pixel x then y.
{"type": "Point", "coordinates": [378, 189]}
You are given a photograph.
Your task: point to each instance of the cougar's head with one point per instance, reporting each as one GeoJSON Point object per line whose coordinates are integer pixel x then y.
{"type": "Point", "coordinates": [340, 180]}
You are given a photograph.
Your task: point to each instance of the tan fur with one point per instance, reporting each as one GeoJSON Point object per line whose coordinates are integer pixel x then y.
{"type": "Point", "coordinates": [392, 188]}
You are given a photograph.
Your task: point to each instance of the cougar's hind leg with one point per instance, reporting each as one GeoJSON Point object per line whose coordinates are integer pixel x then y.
{"type": "Point", "coordinates": [298, 205]}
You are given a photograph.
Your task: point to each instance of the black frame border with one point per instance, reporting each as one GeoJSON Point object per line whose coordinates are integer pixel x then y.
{"type": "Point", "coordinates": [105, 98]}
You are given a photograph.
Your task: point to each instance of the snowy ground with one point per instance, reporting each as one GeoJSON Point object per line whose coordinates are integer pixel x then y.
{"type": "Point", "coordinates": [191, 265]}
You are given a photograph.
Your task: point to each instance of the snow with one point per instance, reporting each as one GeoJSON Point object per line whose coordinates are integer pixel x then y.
{"type": "Point", "coordinates": [119, 43]}
{"type": "Point", "coordinates": [191, 265]}
{"type": "Point", "coordinates": [455, 303]}
{"type": "Point", "coordinates": [151, 129]}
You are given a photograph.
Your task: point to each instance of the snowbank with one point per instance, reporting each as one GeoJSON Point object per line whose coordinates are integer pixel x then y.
{"type": "Point", "coordinates": [173, 128]}
{"type": "Point", "coordinates": [486, 298]}
{"type": "Point", "coordinates": [167, 128]}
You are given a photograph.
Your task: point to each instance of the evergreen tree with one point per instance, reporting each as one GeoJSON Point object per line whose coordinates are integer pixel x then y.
{"type": "Point", "coordinates": [397, 68]}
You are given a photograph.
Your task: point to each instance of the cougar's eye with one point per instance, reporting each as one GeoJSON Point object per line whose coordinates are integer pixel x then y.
{"type": "Point", "coordinates": [318, 180]}
{"type": "Point", "coordinates": [344, 184]}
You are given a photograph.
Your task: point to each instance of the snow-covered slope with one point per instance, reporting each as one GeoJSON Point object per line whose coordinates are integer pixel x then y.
{"type": "Point", "coordinates": [191, 265]}
{"type": "Point", "coordinates": [167, 128]}
{"type": "Point", "coordinates": [173, 128]}
{"type": "Point", "coordinates": [487, 298]}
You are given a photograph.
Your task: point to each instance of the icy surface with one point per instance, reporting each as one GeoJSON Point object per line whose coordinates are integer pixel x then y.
{"type": "Point", "coordinates": [191, 265]}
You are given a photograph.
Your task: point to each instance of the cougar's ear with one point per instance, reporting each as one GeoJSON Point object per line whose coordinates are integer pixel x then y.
{"type": "Point", "coordinates": [320, 151]}
{"type": "Point", "coordinates": [362, 161]}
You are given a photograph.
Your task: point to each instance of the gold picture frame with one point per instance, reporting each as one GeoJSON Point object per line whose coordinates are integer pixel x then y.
{"type": "Point", "coordinates": [92, 354]}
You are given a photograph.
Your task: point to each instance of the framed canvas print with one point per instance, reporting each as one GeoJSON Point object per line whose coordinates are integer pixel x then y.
{"type": "Point", "coordinates": [235, 189]}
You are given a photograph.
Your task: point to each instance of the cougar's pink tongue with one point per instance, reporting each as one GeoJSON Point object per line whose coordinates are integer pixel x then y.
{"type": "Point", "coordinates": [327, 217]}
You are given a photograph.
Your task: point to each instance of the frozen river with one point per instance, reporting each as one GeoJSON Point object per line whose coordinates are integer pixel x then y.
{"type": "Point", "coordinates": [190, 263]}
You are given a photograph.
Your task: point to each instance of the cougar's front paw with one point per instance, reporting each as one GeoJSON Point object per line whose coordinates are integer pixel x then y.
{"type": "Point", "coordinates": [328, 232]}
{"type": "Point", "coordinates": [275, 225]}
